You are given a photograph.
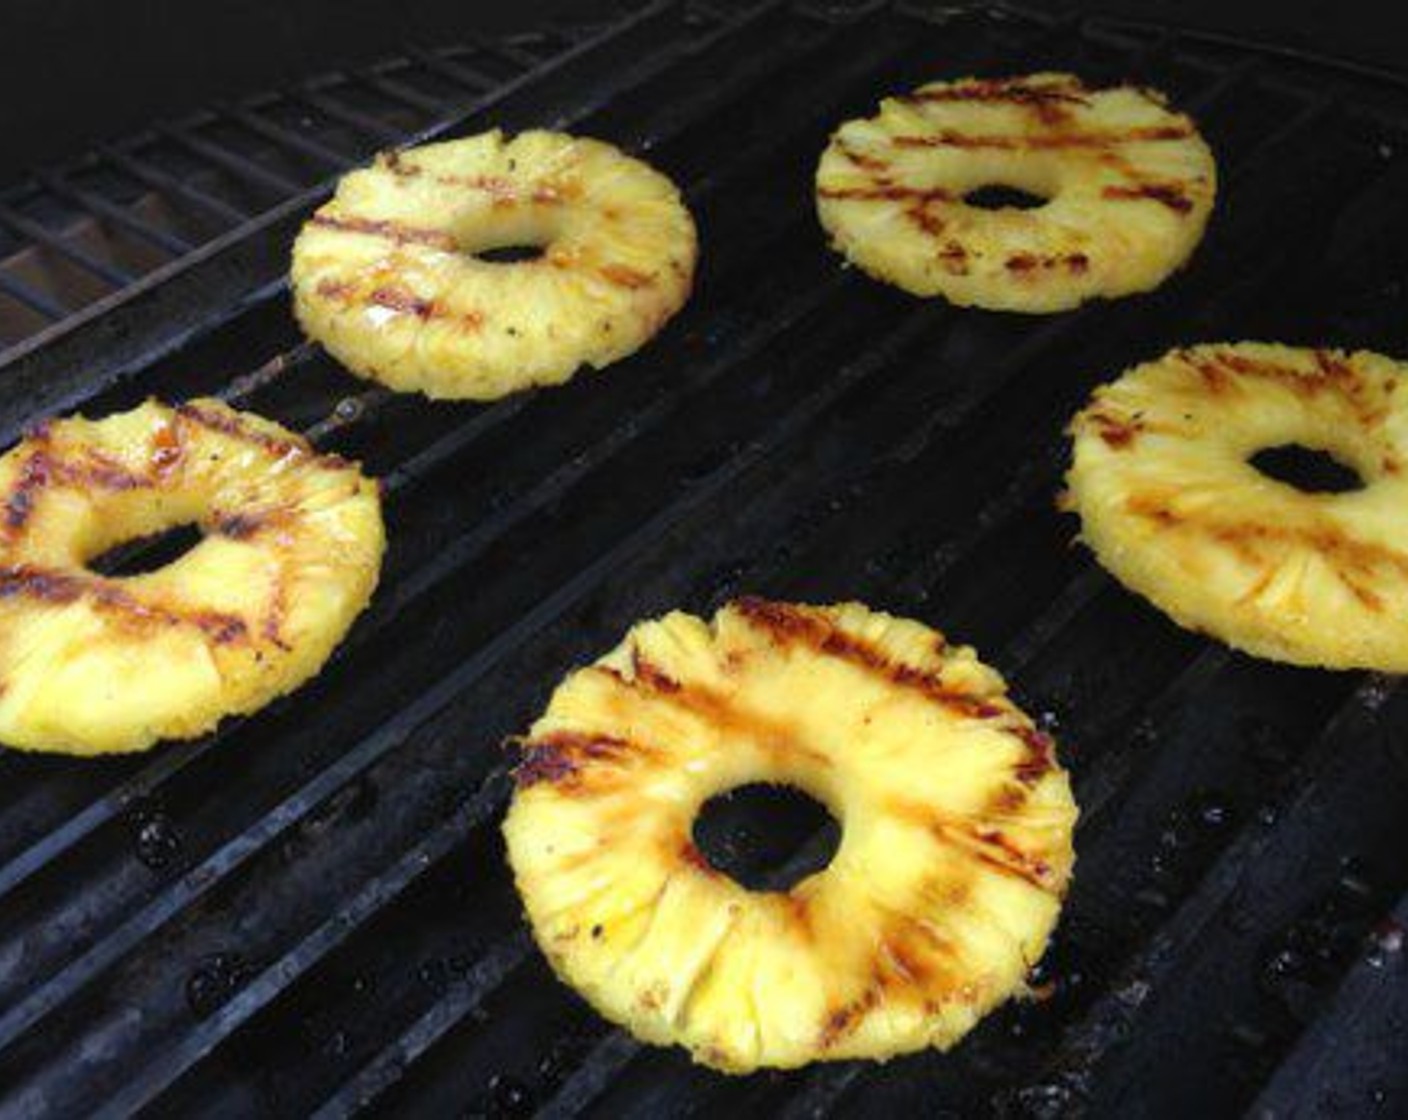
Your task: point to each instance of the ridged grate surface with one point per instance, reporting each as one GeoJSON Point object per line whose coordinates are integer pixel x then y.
{"type": "Point", "coordinates": [310, 910]}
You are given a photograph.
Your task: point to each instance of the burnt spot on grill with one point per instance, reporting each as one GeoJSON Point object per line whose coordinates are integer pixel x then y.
{"type": "Point", "coordinates": [1169, 194]}
{"type": "Point", "coordinates": [1044, 141]}
{"type": "Point", "coordinates": [398, 165]}
{"type": "Point", "coordinates": [623, 276]}
{"type": "Point", "coordinates": [396, 232]}
{"type": "Point", "coordinates": [792, 624]}
{"type": "Point", "coordinates": [559, 757]}
{"type": "Point", "coordinates": [1117, 432]}
{"type": "Point", "coordinates": [1031, 262]}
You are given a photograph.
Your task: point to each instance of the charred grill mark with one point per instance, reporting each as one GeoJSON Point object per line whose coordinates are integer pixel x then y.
{"type": "Point", "coordinates": [1055, 140]}
{"type": "Point", "coordinates": [1031, 262]}
{"type": "Point", "coordinates": [999, 852]}
{"type": "Point", "coordinates": [397, 299]}
{"type": "Point", "coordinates": [1117, 432]}
{"type": "Point", "coordinates": [651, 675]}
{"type": "Point", "coordinates": [503, 190]}
{"type": "Point", "coordinates": [395, 232]}
{"type": "Point", "coordinates": [62, 588]}
{"type": "Point", "coordinates": [623, 276]}
{"type": "Point", "coordinates": [930, 224]}
{"type": "Point", "coordinates": [888, 192]}
{"type": "Point", "coordinates": [990, 846]}
{"type": "Point", "coordinates": [862, 160]}
{"type": "Point", "coordinates": [788, 623]}
{"type": "Point", "coordinates": [844, 1019]}
{"type": "Point", "coordinates": [1352, 559]}
{"type": "Point", "coordinates": [1169, 194]}
{"type": "Point", "coordinates": [1040, 759]}
{"type": "Point", "coordinates": [1050, 102]}
{"type": "Point", "coordinates": [43, 470]}
{"type": "Point", "coordinates": [560, 757]}
{"type": "Point", "coordinates": [239, 526]}
{"type": "Point", "coordinates": [693, 857]}
{"type": "Point", "coordinates": [229, 424]}
{"type": "Point", "coordinates": [403, 301]}
{"type": "Point", "coordinates": [1219, 370]}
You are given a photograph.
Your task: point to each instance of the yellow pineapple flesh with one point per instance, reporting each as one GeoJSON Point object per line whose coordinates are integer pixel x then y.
{"type": "Point", "coordinates": [91, 663]}
{"type": "Point", "coordinates": [1173, 506]}
{"type": "Point", "coordinates": [1127, 186]}
{"type": "Point", "coordinates": [391, 278]}
{"type": "Point", "coordinates": [955, 854]}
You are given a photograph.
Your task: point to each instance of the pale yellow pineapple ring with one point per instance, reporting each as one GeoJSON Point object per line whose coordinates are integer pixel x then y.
{"type": "Point", "coordinates": [94, 664]}
{"type": "Point", "coordinates": [1173, 508]}
{"type": "Point", "coordinates": [956, 849]}
{"type": "Point", "coordinates": [385, 275]}
{"type": "Point", "coordinates": [1129, 185]}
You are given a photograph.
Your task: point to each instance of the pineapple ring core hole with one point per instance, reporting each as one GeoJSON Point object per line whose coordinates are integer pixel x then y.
{"type": "Point", "coordinates": [1312, 470]}
{"type": "Point", "coordinates": [1000, 196]}
{"type": "Point", "coordinates": [510, 254]}
{"type": "Point", "coordinates": [754, 834]}
{"type": "Point", "coordinates": [147, 553]}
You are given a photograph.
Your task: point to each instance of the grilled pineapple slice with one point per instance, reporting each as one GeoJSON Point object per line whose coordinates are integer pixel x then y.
{"type": "Point", "coordinates": [1128, 186]}
{"type": "Point", "coordinates": [955, 855]}
{"type": "Point", "coordinates": [388, 275]}
{"type": "Point", "coordinates": [1172, 505]}
{"type": "Point", "coordinates": [92, 664]}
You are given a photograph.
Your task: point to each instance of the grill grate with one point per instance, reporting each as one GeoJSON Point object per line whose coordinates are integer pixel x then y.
{"type": "Point", "coordinates": [90, 229]}
{"type": "Point", "coordinates": [309, 909]}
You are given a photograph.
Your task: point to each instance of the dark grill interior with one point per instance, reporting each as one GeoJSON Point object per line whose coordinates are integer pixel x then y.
{"type": "Point", "coordinates": [310, 909]}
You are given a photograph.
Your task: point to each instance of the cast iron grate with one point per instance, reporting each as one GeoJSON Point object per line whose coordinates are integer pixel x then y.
{"type": "Point", "coordinates": [309, 910]}
{"type": "Point", "coordinates": [86, 231]}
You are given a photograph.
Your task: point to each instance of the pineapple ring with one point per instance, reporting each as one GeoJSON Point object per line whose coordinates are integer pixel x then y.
{"type": "Point", "coordinates": [93, 664]}
{"type": "Point", "coordinates": [1173, 508]}
{"type": "Point", "coordinates": [385, 275]}
{"type": "Point", "coordinates": [1129, 186]}
{"type": "Point", "coordinates": [955, 855]}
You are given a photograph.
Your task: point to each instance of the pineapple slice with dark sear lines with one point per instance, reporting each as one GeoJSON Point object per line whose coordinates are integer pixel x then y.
{"type": "Point", "coordinates": [956, 844]}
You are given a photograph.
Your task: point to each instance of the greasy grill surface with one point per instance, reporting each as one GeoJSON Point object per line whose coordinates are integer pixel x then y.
{"type": "Point", "coordinates": [310, 909]}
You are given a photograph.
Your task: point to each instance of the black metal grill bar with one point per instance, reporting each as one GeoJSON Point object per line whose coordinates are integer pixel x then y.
{"type": "Point", "coordinates": [171, 244]}
{"type": "Point", "coordinates": [1094, 1037]}
{"type": "Point", "coordinates": [416, 468]}
{"type": "Point", "coordinates": [456, 71]}
{"type": "Point", "coordinates": [329, 106]}
{"type": "Point", "coordinates": [40, 234]}
{"type": "Point", "coordinates": [151, 175]}
{"type": "Point", "coordinates": [330, 158]}
{"type": "Point", "coordinates": [244, 170]}
{"type": "Point", "coordinates": [396, 92]}
{"type": "Point", "coordinates": [32, 298]}
{"type": "Point", "coordinates": [1339, 1064]}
